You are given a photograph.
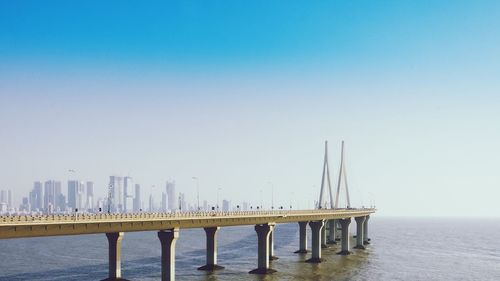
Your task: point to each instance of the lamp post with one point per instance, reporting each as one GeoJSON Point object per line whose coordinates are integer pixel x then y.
{"type": "Point", "coordinates": [197, 190]}
{"type": "Point", "coordinates": [272, 194]}
{"type": "Point", "coordinates": [218, 190]}
{"type": "Point", "coordinates": [260, 199]}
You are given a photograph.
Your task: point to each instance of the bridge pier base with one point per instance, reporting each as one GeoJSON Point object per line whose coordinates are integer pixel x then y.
{"type": "Point", "coordinates": [332, 232]}
{"type": "Point", "coordinates": [302, 238]}
{"type": "Point", "coordinates": [271, 244]}
{"type": "Point", "coordinates": [211, 234]}
{"type": "Point", "coordinates": [365, 231]}
{"type": "Point", "coordinates": [115, 249]}
{"type": "Point", "coordinates": [360, 221]}
{"type": "Point", "coordinates": [168, 239]}
{"type": "Point", "coordinates": [344, 223]}
{"type": "Point", "coordinates": [316, 233]}
{"type": "Point", "coordinates": [263, 232]}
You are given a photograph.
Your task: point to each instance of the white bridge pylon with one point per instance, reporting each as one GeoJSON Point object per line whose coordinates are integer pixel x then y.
{"type": "Point", "coordinates": [325, 202]}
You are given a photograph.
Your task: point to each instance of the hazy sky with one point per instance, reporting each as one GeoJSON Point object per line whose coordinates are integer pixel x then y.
{"type": "Point", "coordinates": [242, 94]}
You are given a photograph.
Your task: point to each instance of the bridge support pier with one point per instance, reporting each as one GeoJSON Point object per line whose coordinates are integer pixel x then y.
{"type": "Point", "coordinates": [271, 244]}
{"type": "Point", "coordinates": [211, 234]}
{"type": "Point", "coordinates": [323, 237]}
{"type": "Point", "coordinates": [344, 223]}
{"type": "Point", "coordinates": [365, 231]}
{"type": "Point", "coordinates": [302, 238]}
{"type": "Point", "coordinates": [360, 222]}
{"type": "Point", "coordinates": [316, 233]}
{"type": "Point", "coordinates": [332, 232]}
{"type": "Point", "coordinates": [263, 232]}
{"type": "Point", "coordinates": [168, 238]}
{"type": "Point", "coordinates": [115, 249]}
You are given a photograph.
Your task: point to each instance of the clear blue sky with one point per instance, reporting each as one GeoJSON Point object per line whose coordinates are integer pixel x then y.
{"type": "Point", "coordinates": [244, 93]}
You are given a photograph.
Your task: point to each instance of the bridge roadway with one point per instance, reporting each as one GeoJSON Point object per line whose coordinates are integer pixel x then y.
{"type": "Point", "coordinates": [168, 225]}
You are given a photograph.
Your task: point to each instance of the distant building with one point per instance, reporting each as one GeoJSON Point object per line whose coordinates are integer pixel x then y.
{"type": "Point", "coordinates": [76, 195]}
{"type": "Point", "coordinates": [182, 202]}
{"type": "Point", "coordinates": [151, 203]}
{"type": "Point", "coordinates": [128, 194]}
{"type": "Point", "coordinates": [171, 196]}
{"type": "Point", "coordinates": [52, 189]}
{"type": "Point", "coordinates": [90, 196]}
{"type": "Point", "coordinates": [226, 205]}
{"type": "Point", "coordinates": [25, 205]}
{"type": "Point", "coordinates": [137, 198]}
{"type": "Point", "coordinates": [37, 197]}
{"type": "Point", "coordinates": [9, 199]}
{"type": "Point", "coordinates": [3, 196]}
{"type": "Point", "coordinates": [117, 194]}
{"type": "Point", "coordinates": [163, 201]}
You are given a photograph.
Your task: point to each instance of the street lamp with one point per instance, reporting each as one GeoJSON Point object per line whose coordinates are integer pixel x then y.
{"type": "Point", "coordinates": [272, 194]}
{"type": "Point", "coordinates": [197, 190]}
{"type": "Point", "coordinates": [218, 190]}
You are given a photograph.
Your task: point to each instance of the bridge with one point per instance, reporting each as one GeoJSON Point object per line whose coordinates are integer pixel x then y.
{"type": "Point", "coordinates": [168, 225]}
{"type": "Point", "coordinates": [329, 217]}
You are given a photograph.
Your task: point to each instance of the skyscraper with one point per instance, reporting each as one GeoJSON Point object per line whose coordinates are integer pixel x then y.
{"type": "Point", "coordinates": [9, 198]}
{"type": "Point", "coordinates": [137, 198]}
{"type": "Point", "coordinates": [49, 198]}
{"type": "Point", "coordinates": [226, 205]}
{"type": "Point", "coordinates": [59, 206]}
{"type": "Point", "coordinates": [171, 198]}
{"type": "Point", "coordinates": [163, 201]}
{"type": "Point", "coordinates": [89, 205]}
{"type": "Point", "coordinates": [116, 185]}
{"type": "Point", "coordinates": [128, 194]}
{"type": "Point", "coordinates": [3, 196]}
{"type": "Point", "coordinates": [75, 194]}
{"type": "Point", "coordinates": [37, 196]}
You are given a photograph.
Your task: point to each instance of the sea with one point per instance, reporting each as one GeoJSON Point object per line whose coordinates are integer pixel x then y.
{"type": "Point", "coordinates": [401, 249]}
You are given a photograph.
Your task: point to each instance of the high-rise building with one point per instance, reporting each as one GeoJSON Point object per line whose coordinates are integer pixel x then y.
{"type": "Point", "coordinates": [3, 196]}
{"type": "Point", "coordinates": [151, 203]}
{"type": "Point", "coordinates": [37, 197]}
{"type": "Point", "coordinates": [171, 197]}
{"type": "Point", "coordinates": [90, 196]}
{"type": "Point", "coordinates": [76, 193]}
{"type": "Point", "coordinates": [163, 201]}
{"type": "Point", "coordinates": [25, 206]}
{"type": "Point", "coordinates": [182, 202]}
{"type": "Point", "coordinates": [57, 196]}
{"type": "Point", "coordinates": [52, 189]}
{"type": "Point", "coordinates": [9, 198]}
{"type": "Point", "coordinates": [137, 198]}
{"type": "Point", "coordinates": [128, 194]}
{"type": "Point", "coordinates": [116, 185]}
{"type": "Point", "coordinates": [226, 205]}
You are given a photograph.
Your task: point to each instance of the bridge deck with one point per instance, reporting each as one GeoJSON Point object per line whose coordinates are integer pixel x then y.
{"type": "Point", "coordinates": [52, 225]}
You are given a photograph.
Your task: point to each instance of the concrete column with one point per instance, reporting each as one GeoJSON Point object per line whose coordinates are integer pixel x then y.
{"type": "Point", "coordinates": [316, 230]}
{"type": "Point", "coordinates": [332, 232]}
{"type": "Point", "coordinates": [211, 233]}
{"type": "Point", "coordinates": [167, 240]}
{"type": "Point", "coordinates": [323, 237]}
{"type": "Point", "coordinates": [360, 221]}
{"type": "Point", "coordinates": [344, 223]}
{"type": "Point", "coordinates": [365, 232]}
{"type": "Point", "coordinates": [271, 244]}
{"type": "Point", "coordinates": [302, 238]}
{"type": "Point", "coordinates": [263, 231]}
{"type": "Point", "coordinates": [115, 249]}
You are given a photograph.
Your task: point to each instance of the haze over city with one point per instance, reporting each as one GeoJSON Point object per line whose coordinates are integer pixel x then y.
{"type": "Point", "coordinates": [194, 90]}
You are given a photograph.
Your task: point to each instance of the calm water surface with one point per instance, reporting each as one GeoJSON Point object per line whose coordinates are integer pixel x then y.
{"type": "Point", "coordinates": [401, 249]}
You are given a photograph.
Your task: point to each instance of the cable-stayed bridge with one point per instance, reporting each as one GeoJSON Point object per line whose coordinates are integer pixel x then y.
{"type": "Point", "coordinates": [325, 222]}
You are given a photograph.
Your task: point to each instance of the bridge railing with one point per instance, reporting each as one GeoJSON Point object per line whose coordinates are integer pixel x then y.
{"type": "Point", "coordinates": [159, 215]}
